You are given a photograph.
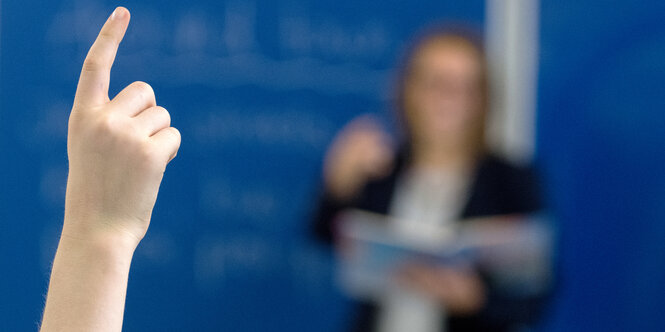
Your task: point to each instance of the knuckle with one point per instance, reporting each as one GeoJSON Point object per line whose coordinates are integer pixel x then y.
{"type": "Point", "coordinates": [146, 157]}
{"type": "Point", "coordinates": [91, 64]}
{"type": "Point", "coordinates": [175, 133]}
{"type": "Point", "coordinates": [164, 113]}
{"type": "Point", "coordinates": [174, 139]}
{"type": "Point", "coordinates": [134, 132]}
{"type": "Point", "coordinates": [107, 123]}
{"type": "Point", "coordinates": [144, 89]}
{"type": "Point", "coordinates": [148, 154]}
{"type": "Point", "coordinates": [141, 85]}
{"type": "Point", "coordinates": [108, 37]}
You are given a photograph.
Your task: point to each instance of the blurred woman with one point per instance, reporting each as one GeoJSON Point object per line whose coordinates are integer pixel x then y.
{"type": "Point", "coordinates": [441, 173]}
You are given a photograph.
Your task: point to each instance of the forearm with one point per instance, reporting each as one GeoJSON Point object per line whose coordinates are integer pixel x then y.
{"type": "Point", "coordinates": [88, 282]}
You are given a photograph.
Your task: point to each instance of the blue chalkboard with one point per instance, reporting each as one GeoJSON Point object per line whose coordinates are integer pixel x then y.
{"type": "Point", "coordinates": [258, 89]}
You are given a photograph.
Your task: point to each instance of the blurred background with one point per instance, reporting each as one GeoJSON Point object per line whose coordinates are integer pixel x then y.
{"type": "Point", "coordinates": [259, 89]}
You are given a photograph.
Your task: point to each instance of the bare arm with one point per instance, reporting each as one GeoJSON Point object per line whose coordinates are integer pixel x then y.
{"type": "Point", "coordinates": [118, 150]}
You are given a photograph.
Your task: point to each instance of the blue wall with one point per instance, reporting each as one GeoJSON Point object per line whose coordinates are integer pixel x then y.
{"type": "Point", "coordinates": [258, 89]}
{"type": "Point", "coordinates": [601, 133]}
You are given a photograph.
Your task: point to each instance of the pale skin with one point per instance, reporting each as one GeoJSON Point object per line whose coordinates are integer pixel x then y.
{"type": "Point", "coordinates": [443, 104]}
{"type": "Point", "coordinates": [118, 150]}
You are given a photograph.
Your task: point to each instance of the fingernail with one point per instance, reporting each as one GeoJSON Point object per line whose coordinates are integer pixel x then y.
{"type": "Point", "coordinates": [117, 14]}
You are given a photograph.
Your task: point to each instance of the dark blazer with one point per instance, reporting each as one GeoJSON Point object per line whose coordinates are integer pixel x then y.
{"type": "Point", "coordinates": [497, 188]}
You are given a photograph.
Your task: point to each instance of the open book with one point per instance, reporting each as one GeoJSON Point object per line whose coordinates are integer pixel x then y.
{"type": "Point", "coordinates": [514, 252]}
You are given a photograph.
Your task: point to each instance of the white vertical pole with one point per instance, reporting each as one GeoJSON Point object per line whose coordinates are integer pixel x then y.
{"type": "Point", "coordinates": [511, 32]}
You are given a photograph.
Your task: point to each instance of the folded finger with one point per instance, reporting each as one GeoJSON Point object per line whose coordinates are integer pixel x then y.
{"type": "Point", "coordinates": [133, 99]}
{"type": "Point", "coordinates": [153, 119]}
{"type": "Point", "coordinates": [167, 142]}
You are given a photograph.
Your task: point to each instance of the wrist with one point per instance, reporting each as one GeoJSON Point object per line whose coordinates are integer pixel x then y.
{"type": "Point", "coordinates": [343, 189]}
{"type": "Point", "coordinates": [99, 235]}
{"type": "Point", "coordinates": [88, 280]}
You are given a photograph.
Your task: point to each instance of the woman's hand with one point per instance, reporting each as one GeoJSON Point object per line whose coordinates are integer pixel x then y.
{"type": "Point", "coordinates": [360, 152]}
{"type": "Point", "coordinates": [460, 291]}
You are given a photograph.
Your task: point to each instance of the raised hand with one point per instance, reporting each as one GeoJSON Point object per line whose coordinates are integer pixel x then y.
{"type": "Point", "coordinates": [361, 151]}
{"type": "Point", "coordinates": [118, 150]}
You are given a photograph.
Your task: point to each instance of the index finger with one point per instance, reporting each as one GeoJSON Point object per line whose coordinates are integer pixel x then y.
{"type": "Point", "coordinates": [93, 86]}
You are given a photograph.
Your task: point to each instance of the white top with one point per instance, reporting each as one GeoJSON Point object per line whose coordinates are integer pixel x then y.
{"type": "Point", "coordinates": [426, 203]}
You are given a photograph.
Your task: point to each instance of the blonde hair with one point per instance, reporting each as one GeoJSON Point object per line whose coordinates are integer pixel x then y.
{"type": "Point", "coordinates": [459, 37]}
